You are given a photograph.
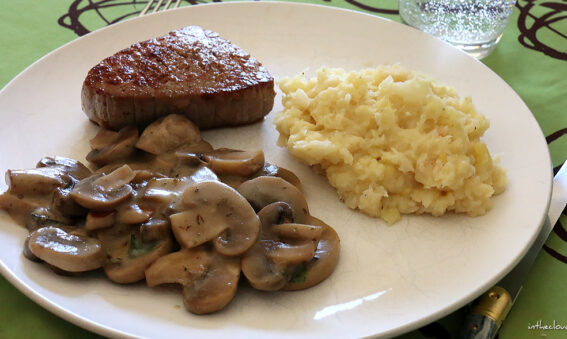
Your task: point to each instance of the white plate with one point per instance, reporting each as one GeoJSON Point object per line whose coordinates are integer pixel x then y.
{"type": "Point", "coordinates": [390, 279]}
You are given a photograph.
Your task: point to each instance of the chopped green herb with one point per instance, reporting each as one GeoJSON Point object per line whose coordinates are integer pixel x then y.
{"type": "Point", "coordinates": [299, 274]}
{"type": "Point", "coordinates": [138, 247]}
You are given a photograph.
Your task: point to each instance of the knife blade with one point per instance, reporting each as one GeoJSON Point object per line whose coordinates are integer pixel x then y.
{"type": "Point", "coordinates": [490, 309]}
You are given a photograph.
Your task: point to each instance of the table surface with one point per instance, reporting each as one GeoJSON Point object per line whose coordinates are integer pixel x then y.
{"type": "Point", "coordinates": [531, 58]}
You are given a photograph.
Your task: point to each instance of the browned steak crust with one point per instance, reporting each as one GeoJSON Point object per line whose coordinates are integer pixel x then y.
{"type": "Point", "coordinates": [190, 71]}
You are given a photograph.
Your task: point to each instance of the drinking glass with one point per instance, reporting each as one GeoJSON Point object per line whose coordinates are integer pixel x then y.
{"type": "Point", "coordinates": [474, 26]}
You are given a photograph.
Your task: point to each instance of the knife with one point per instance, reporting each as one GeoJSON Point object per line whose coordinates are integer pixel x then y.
{"type": "Point", "coordinates": [490, 309]}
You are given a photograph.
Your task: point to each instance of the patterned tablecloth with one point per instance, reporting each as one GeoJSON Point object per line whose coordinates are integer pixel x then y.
{"type": "Point", "coordinates": [531, 58]}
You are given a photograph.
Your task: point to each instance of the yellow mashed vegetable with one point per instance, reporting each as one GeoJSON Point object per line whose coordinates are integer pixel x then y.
{"type": "Point", "coordinates": [391, 141]}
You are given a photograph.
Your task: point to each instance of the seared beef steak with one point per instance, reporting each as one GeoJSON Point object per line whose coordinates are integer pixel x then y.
{"type": "Point", "coordinates": [190, 71]}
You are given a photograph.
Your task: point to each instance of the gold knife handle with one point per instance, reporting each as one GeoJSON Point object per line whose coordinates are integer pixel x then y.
{"type": "Point", "coordinates": [487, 315]}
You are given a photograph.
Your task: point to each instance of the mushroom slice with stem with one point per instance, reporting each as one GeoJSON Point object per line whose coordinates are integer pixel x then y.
{"type": "Point", "coordinates": [209, 279]}
{"type": "Point", "coordinates": [323, 263]}
{"type": "Point", "coordinates": [289, 255]}
{"type": "Point", "coordinates": [298, 231]}
{"type": "Point", "coordinates": [131, 268]}
{"type": "Point", "coordinates": [118, 149]}
{"type": "Point", "coordinates": [234, 162]}
{"type": "Point", "coordinates": [192, 229]}
{"type": "Point", "coordinates": [66, 250]}
{"type": "Point", "coordinates": [179, 267]}
{"type": "Point", "coordinates": [285, 253]}
{"type": "Point", "coordinates": [277, 171]}
{"type": "Point", "coordinates": [129, 255]}
{"type": "Point", "coordinates": [214, 207]}
{"type": "Point", "coordinates": [262, 272]}
{"type": "Point", "coordinates": [168, 134]}
{"type": "Point", "coordinates": [264, 190]}
{"type": "Point", "coordinates": [267, 170]}
{"type": "Point", "coordinates": [104, 192]}
{"type": "Point", "coordinates": [216, 289]}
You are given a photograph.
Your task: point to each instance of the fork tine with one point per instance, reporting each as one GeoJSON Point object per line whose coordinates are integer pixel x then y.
{"type": "Point", "coordinates": [148, 5]}
{"type": "Point", "coordinates": [156, 8]}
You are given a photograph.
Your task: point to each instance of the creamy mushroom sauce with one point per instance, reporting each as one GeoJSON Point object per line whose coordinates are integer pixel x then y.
{"type": "Point", "coordinates": [166, 207]}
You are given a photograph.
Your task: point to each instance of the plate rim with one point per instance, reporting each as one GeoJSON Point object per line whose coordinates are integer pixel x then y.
{"type": "Point", "coordinates": [104, 330]}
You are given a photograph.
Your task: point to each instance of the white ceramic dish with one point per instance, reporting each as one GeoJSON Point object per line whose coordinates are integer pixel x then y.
{"type": "Point", "coordinates": [390, 279]}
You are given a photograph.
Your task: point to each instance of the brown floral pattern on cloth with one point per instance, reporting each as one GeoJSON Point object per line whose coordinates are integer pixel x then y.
{"type": "Point", "coordinates": [127, 9]}
{"type": "Point", "coordinates": [533, 25]}
{"type": "Point", "coordinates": [131, 8]}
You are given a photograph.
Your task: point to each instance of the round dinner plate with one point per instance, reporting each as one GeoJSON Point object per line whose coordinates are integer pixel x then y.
{"type": "Point", "coordinates": [389, 280]}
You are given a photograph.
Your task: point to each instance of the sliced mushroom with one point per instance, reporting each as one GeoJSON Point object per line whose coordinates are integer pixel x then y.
{"type": "Point", "coordinates": [215, 290]}
{"type": "Point", "coordinates": [104, 192]}
{"type": "Point", "coordinates": [120, 148]}
{"type": "Point", "coordinates": [66, 250]}
{"type": "Point", "coordinates": [168, 134]}
{"type": "Point", "coordinates": [268, 169]}
{"type": "Point", "coordinates": [129, 255]}
{"type": "Point", "coordinates": [209, 280]}
{"type": "Point", "coordinates": [297, 232]}
{"type": "Point", "coordinates": [194, 148]}
{"type": "Point", "coordinates": [264, 190]}
{"type": "Point", "coordinates": [131, 268]}
{"type": "Point", "coordinates": [103, 138]}
{"type": "Point", "coordinates": [235, 162]}
{"type": "Point", "coordinates": [181, 267]}
{"type": "Point", "coordinates": [262, 273]}
{"type": "Point", "coordinates": [323, 263]}
{"type": "Point", "coordinates": [132, 214]}
{"type": "Point", "coordinates": [42, 216]}
{"type": "Point", "coordinates": [192, 229]}
{"type": "Point", "coordinates": [27, 252]}
{"type": "Point", "coordinates": [285, 254]}
{"type": "Point", "coordinates": [36, 180]}
{"type": "Point", "coordinates": [277, 171]}
{"type": "Point", "coordinates": [72, 167]}
{"type": "Point", "coordinates": [164, 195]}
{"type": "Point", "coordinates": [214, 205]}
{"type": "Point", "coordinates": [99, 219]}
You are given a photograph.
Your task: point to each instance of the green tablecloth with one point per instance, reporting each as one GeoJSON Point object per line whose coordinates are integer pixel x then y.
{"type": "Point", "coordinates": [531, 58]}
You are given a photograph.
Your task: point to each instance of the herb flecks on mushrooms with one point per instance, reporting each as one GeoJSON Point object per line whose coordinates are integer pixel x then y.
{"type": "Point", "coordinates": [209, 280]}
{"type": "Point", "coordinates": [217, 212]}
{"type": "Point", "coordinates": [166, 207]}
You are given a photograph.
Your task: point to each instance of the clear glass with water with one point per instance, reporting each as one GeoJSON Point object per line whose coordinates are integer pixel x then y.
{"type": "Point", "coordinates": [474, 26]}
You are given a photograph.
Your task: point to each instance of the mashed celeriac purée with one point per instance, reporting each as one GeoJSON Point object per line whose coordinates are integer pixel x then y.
{"type": "Point", "coordinates": [391, 141]}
